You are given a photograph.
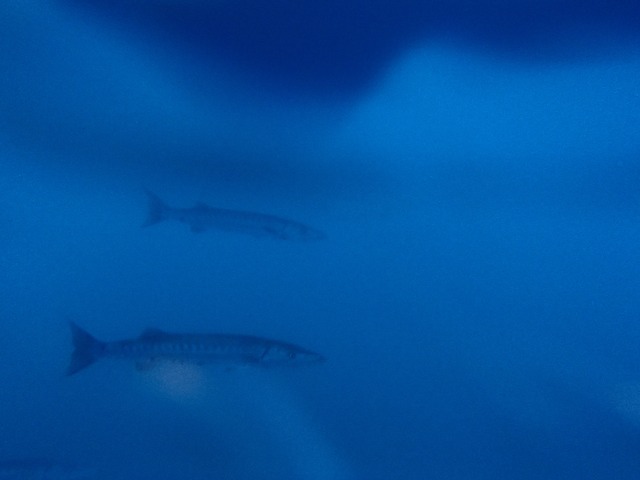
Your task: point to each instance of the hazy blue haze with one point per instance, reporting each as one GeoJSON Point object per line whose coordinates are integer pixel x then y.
{"type": "Point", "coordinates": [474, 165]}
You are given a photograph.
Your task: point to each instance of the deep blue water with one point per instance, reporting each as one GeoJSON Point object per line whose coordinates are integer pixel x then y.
{"type": "Point", "coordinates": [474, 165]}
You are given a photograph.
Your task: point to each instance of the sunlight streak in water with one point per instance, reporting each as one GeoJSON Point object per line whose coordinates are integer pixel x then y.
{"type": "Point", "coordinates": [311, 455]}
{"type": "Point", "coordinates": [219, 397]}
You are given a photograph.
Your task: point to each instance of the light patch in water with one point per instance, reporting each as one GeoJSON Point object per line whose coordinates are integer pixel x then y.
{"type": "Point", "coordinates": [178, 380]}
{"type": "Point", "coordinates": [259, 397]}
{"type": "Point", "coordinates": [310, 454]}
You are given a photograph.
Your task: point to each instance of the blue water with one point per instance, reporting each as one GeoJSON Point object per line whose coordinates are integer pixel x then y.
{"type": "Point", "coordinates": [474, 165]}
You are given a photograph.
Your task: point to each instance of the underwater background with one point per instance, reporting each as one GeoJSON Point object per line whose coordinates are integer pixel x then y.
{"type": "Point", "coordinates": [474, 165]}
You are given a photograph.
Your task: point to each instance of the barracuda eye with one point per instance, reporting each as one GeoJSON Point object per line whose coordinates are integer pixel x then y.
{"type": "Point", "coordinates": [292, 355]}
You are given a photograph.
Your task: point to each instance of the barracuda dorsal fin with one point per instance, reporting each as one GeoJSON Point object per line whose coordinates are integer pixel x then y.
{"type": "Point", "coordinates": [153, 333]}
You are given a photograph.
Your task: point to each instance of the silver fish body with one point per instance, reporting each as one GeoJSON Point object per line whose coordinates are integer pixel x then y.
{"type": "Point", "coordinates": [202, 217]}
{"type": "Point", "coordinates": [156, 345]}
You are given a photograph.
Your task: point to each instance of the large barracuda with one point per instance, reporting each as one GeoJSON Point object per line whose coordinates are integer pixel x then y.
{"type": "Point", "coordinates": [202, 217]}
{"type": "Point", "coordinates": [154, 346]}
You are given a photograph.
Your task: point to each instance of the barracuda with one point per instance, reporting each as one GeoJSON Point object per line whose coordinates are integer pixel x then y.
{"type": "Point", "coordinates": [202, 217]}
{"type": "Point", "coordinates": [155, 345]}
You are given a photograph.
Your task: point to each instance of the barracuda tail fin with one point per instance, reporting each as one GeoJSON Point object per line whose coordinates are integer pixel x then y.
{"type": "Point", "coordinates": [157, 209]}
{"type": "Point", "coordinates": [86, 349]}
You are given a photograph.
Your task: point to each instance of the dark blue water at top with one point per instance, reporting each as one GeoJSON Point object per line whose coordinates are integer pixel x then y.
{"type": "Point", "coordinates": [338, 48]}
{"type": "Point", "coordinates": [473, 166]}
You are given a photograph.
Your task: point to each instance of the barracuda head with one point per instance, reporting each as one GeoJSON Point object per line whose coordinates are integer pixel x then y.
{"type": "Point", "coordinates": [286, 354]}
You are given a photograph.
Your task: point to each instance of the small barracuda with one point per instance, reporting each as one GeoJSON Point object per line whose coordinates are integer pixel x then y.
{"type": "Point", "coordinates": [155, 345]}
{"type": "Point", "coordinates": [202, 217]}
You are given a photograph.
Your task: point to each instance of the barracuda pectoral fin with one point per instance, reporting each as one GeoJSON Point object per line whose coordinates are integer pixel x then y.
{"type": "Point", "coordinates": [146, 364]}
